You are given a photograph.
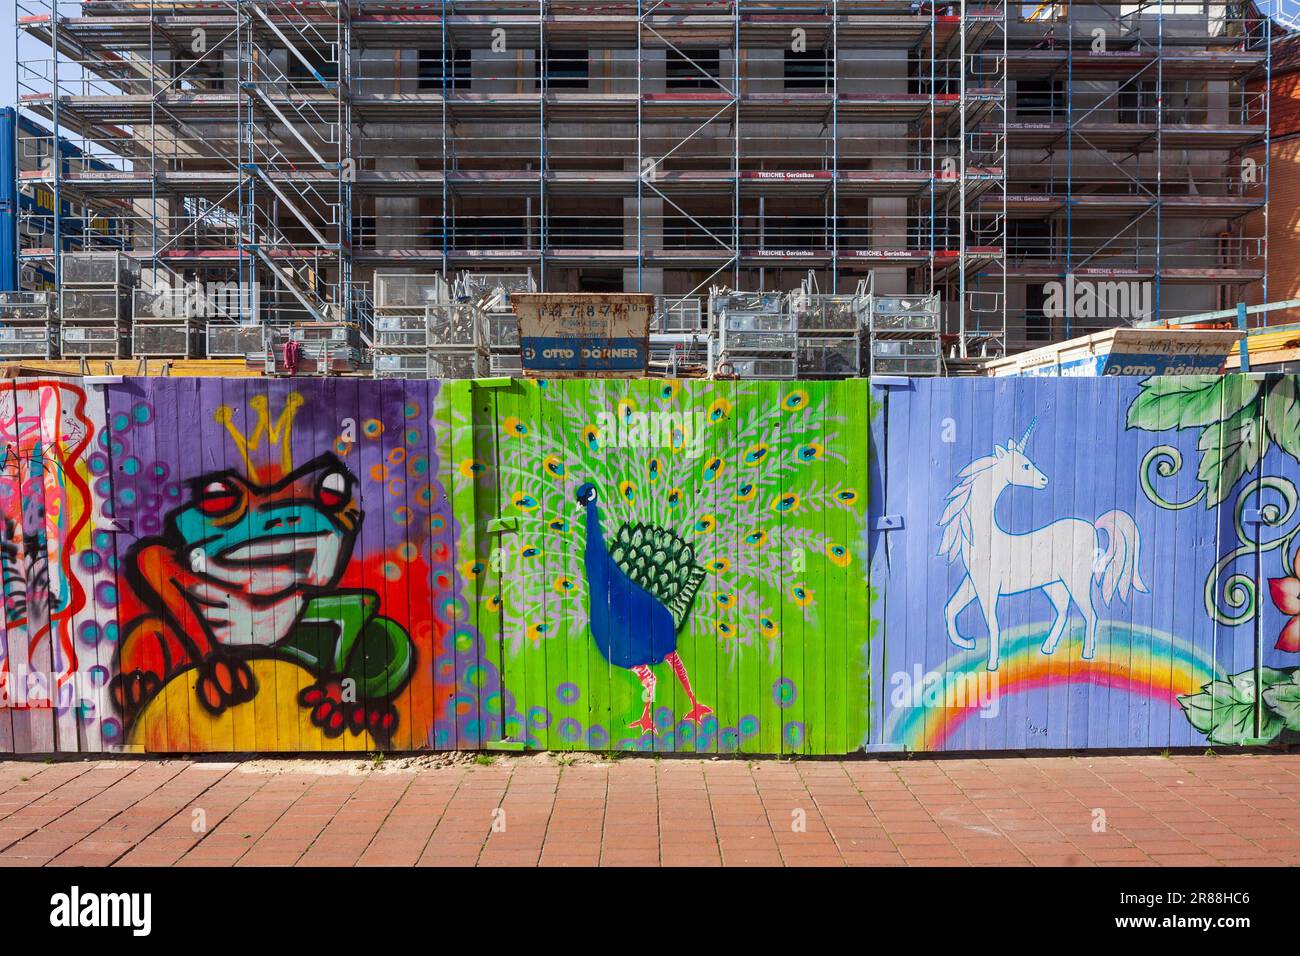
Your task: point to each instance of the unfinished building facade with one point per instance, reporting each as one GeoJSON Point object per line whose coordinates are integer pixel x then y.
{"type": "Point", "coordinates": [996, 154]}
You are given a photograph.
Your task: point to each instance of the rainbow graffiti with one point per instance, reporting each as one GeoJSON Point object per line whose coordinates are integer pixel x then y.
{"type": "Point", "coordinates": [1131, 659]}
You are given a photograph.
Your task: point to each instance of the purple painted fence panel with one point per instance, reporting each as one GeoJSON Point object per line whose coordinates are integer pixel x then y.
{"type": "Point", "coordinates": [1107, 562]}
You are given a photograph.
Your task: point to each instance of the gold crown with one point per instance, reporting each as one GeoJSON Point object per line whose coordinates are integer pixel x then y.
{"type": "Point", "coordinates": [276, 434]}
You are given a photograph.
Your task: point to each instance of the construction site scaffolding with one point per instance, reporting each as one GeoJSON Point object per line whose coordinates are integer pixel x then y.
{"type": "Point", "coordinates": [975, 150]}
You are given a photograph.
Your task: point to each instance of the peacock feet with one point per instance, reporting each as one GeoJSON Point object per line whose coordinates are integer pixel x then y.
{"type": "Point", "coordinates": [645, 723]}
{"type": "Point", "coordinates": [698, 712]}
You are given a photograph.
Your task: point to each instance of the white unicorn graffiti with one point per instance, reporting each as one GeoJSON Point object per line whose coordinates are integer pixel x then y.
{"type": "Point", "coordinates": [1062, 558]}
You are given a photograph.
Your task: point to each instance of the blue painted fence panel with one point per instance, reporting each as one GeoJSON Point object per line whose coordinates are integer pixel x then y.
{"type": "Point", "coordinates": [1164, 509]}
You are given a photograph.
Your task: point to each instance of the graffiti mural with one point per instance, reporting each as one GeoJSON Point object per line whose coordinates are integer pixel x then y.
{"type": "Point", "coordinates": [284, 557]}
{"type": "Point", "coordinates": [1247, 433]}
{"type": "Point", "coordinates": [240, 565]}
{"type": "Point", "coordinates": [247, 565]}
{"type": "Point", "coordinates": [44, 516]}
{"type": "Point", "coordinates": [1061, 558]}
{"type": "Point", "coordinates": [684, 566]}
{"type": "Point", "coordinates": [1187, 549]}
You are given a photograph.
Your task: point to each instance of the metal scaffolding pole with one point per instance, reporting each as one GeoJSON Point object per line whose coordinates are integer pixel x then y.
{"type": "Point", "coordinates": [961, 187]}
{"type": "Point", "coordinates": [542, 211]}
{"type": "Point", "coordinates": [1069, 151]}
{"type": "Point", "coordinates": [1160, 157]}
{"type": "Point", "coordinates": [735, 154]}
{"type": "Point", "coordinates": [835, 145]}
{"type": "Point", "coordinates": [641, 172]}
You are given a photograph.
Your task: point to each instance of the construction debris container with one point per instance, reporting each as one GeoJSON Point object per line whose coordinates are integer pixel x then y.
{"type": "Point", "coordinates": [1126, 352]}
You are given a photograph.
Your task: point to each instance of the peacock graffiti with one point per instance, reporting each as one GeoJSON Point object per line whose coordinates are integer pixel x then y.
{"type": "Point", "coordinates": [640, 594]}
{"type": "Point", "coordinates": [715, 526]}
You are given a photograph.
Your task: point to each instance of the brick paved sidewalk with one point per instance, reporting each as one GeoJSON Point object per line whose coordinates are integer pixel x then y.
{"type": "Point", "coordinates": [1239, 809]}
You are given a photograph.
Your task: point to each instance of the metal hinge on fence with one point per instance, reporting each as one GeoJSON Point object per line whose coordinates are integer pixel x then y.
{"type": "Point", "coordinates": [502, 382]}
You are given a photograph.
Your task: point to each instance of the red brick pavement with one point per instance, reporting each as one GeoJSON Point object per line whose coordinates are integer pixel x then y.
{"type": "Point", "coordinates": [1242, 809]}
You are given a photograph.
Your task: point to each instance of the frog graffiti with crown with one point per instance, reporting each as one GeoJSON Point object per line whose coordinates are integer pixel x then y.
{"type": "Point", "coordinates": [249, 567]}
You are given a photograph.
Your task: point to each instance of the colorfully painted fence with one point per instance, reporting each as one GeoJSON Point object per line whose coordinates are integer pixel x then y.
{"type": "Point", "coordinates": [1132, 543]}
{"type": "Point", "coordinates": [251, 565]}
{"type": "Point", "coordinates": [259, 565]}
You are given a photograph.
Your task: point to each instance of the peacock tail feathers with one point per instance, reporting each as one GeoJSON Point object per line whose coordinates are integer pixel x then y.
{"type": "Point", "coordinates": [709, 533]}
{"type": "Point", "coordinates": [660, 561]}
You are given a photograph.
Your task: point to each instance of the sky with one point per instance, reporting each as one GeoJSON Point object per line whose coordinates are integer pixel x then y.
{"type": "Point", "coordinates": [32, 50]}
{"type": "Point", "coordinates": [1285, 10]}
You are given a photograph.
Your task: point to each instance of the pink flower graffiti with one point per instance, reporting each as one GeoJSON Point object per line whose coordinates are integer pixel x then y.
{"type": "Point", "coordinates": [1286, 596]}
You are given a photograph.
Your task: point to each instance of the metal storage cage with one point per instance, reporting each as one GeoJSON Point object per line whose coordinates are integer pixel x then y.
{"type": "Point", "coordinates": [803, 333]}
{"type": "Point", "coordinates": [838, 357]}
{"type": "Point", "coordinates": [761, 368]}
{"type": "Point", "coordinates": [164, 324]}
{"type": "Point", "coordinates": [756, 335]}
{"type": "Point", "coordinates": [401, 291]}
{"type": "Point", "coordinates": [745, 342]}
{"type": "Point", "coordinates": [402, 327]}
{"type": "Point", "coordinates": [771, 302]}
{"type": "Point", "coordinates": [905, 335]}
{"type": "Point", "coordinates": [676, 315]}
{"type": "Point", "coordinates": [95, 305]}
{"type": "Point", "coordinates": [905, 357]}
{"type": "Point", "coordinates": [27, 342]}
{"type": "Point", "coordinates": [483, 300]}
{"type": "Point", "coordinates": [235, 341]}
{"type": "Point", "coordinates": [28, 329]}
{"type": "Point", "coordinates": [815, 314]}
{"type": "Point", "coordinates": [493, 289]}
{"type": "Point", "coordinates": [91, 341]}
{"type": "Point", "coordinates": [503, 331]}
{"type": "Point", "coordinates": [735, 323]}
{"type": "Point", "coordinates": [402, 366]}
{"type": "Point", "coordinates": [24, 307]}
{"type": "Point", "coordinates": [453, 326]}
{"type": "Point", "coordinates": [180, 339]}
{"type": "Point", "coordinates": [450, 364]}
{"type": "Point", "coordinates": [399, 333]}
{"type": "Point", "coordinates": [905, 313]}
{"type": "Point", "coordinates": [96, 269]}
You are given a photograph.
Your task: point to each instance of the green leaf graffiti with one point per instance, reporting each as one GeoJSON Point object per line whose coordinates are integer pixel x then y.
{"type": "Point", "coordinates": [1282, 415]}
{"type": "Point", "coordinates": [1284, 700]}
{"type": "Point", "coordinates": [1239, 418]}
{"type": "Point", "coordinates": [1224, 710]}
{"type": "Point", "coordinates": [1229, 450]}
{"type": "Point", "coordinates": [1187, 401]}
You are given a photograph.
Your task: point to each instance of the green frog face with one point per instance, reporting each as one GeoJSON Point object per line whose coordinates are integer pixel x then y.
{"type": "Point", "coordinates": [266, 541]}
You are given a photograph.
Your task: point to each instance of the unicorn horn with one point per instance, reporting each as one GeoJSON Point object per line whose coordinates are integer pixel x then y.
{"type": "Point", "coordinates": [1024, 439]}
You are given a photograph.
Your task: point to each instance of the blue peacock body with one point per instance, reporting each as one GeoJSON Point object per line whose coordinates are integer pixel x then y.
{"type": "Point", "coordinates": [641, 587]}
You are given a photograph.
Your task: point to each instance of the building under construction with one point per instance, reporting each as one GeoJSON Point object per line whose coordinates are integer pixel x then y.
{"type": "Point", "coordinates": [987, 154]}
